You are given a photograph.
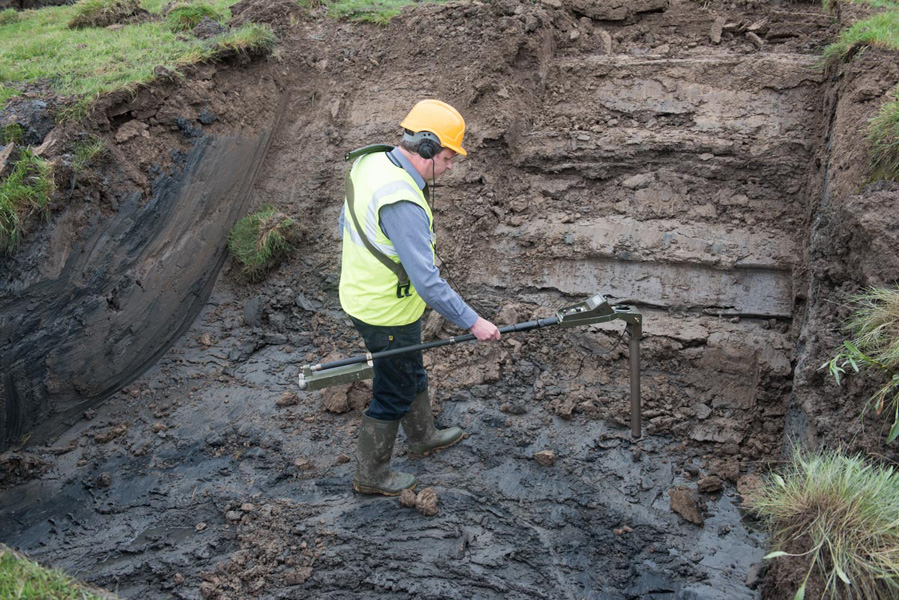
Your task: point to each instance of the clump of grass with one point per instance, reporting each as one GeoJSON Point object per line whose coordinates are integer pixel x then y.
{"type": "Point", "coordinates": [258, 241]}
{"type": "Point", "coordinates": [27, 580]}
{"type": "Point", "coordinates": [873, 326]}
{"type": "Point", "coordinates": [184, 17]}
{"type": "Point", "coordinates": [9, 15]}
{"type": "Point", "coordinates": [12, 134]}
{"type": "Point", "coordinates": [87, 152]}
{"type": "Point", "coordinates": [883, 133]}
{"type": "Point", "coordinates": [371, 11]}
{"type": "Point", "coordinates": [843, 511]}
{"type": "Point", "coordinates": [881, 29]}
{"type": "Point", "coordinates": [251, 38]}
{"type": "Point", "coordinates": [101, 13]}
{"type": "Point", "coordinates": [23, 193]}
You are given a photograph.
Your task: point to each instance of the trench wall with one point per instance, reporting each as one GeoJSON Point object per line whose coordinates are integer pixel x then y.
{"type": "Point", "coordinates": [95, 297]}
{"type": "Point", "coordinates": [853, 235]}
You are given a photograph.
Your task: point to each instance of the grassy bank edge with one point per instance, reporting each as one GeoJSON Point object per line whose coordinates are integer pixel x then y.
{"type": "Point", "coordinates": [879, 30]}
{"type": "Point", "coordinates": [25, 579]}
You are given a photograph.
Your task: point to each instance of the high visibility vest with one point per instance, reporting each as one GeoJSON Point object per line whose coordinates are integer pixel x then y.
{"type": "Point", "coordinates": [368, 289]}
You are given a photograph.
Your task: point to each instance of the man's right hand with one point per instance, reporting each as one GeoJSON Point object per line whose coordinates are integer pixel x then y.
{"type": "Point", "coordinates": [485, 331]}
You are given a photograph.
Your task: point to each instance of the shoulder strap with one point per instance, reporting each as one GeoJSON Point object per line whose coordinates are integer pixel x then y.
{"type": "Point", "coordinates": [403, 284]}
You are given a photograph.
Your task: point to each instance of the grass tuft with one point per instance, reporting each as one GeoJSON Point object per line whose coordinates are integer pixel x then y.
{"type": "Point", "coordinates": [873, 326]}
{"type": "Point", "coordinates": [26, 580]}
{"type": "Point", "coordinates": [12, 134]}
{"type": "Point", "coordinates": [23, 193]}
{"type": "Point", "coordinates": [9, 15]}
{"type": "Point", "coordinates": [883, 133]}
{"type": "Point", "coordinates": [87, 152]}
{"type": "Point", "coordinates": [184, 17]}
{"type": "Point", "coordinates": [259, 240]}
{"type": "Point", "coordinates": [843, 512]}
{"type": "Point", "coordinates": [102, 13]}
{"type": "Point", "coordinates": [251, 38]}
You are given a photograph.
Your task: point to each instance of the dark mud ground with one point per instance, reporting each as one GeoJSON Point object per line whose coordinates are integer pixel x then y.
{"type": "Point", "coordinates": [195, 483]}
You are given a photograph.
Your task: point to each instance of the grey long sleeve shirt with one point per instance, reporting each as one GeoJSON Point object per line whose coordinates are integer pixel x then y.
{"type": "Point", "coordinates": [406, 225]}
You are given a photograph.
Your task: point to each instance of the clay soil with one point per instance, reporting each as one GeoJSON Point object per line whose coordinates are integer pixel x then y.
{"type": "Point", "coordinates": [667, 155]}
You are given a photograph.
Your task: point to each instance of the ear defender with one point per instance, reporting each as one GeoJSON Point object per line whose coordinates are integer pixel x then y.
{"type": "Point", "coordinates": [428, 143]}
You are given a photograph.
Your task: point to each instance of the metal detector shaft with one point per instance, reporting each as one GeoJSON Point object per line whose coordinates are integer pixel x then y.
{"type": "Point", "coordinates": [593, 310]}
{"type": "Point", "coordinates": [468, 337]}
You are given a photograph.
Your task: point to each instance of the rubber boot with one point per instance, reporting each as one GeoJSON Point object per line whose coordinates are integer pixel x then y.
{"type": "Point", "coordinates": [423, 438]}
{"type": "Point", "coordinates": [373, 452]}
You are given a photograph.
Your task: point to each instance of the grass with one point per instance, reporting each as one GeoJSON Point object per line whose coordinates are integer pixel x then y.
{"type": "Point", "coordinates": [369, 11]}
{"type": "Point", "coordinates": [843, 512]}
{"type": "Point", "coordinates": [873, 327]}
{"type": "Point", "coordinates": [9, 15]}
{"type": "Point", "coordinates": [84, 63]}
{"type": "Point", "coordinates": [881, 30]}
{"type": "Point", "coordinates": [184, 17]}
{"type": "Point", "coordinates": [86, 152]}
{"type": "Point", "coordinates": [12, 134]}
{"type": "Point", "coordinates": [23, 579]}
{"type": "Point", "coordinates": [883, 133]}
{"type": "Point", "coordinates": [259, 240]}
{"type": "Point", "coordinates": [100, 13]}
{"type": "Point", "coordinates": [23, 193]}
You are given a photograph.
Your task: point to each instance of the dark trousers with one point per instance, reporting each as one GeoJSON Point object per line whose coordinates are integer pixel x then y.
{"type": "Point", "coordinates": [398, 379]}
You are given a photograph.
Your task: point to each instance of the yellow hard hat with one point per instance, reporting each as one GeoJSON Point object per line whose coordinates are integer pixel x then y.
{"type": "Point", "coordinates": [439, 118]}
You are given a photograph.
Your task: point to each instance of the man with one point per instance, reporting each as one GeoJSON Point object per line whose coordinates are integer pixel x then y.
{"type": "Point", "coordinates": [388, 276]}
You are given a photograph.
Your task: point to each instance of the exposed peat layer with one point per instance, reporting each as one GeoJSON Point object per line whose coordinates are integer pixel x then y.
{"type": "Point", "coordinates": [698, 162]}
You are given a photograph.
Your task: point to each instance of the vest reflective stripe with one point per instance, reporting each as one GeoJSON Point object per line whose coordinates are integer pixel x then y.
{"type": "Point", "coordinates": [368, 289]}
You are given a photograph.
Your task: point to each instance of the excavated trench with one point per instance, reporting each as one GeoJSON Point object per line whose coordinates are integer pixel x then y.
{"type": "Point", "coordinates": [662, 158]}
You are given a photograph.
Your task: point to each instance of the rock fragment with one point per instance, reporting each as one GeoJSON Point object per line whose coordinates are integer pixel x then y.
{"type": "Point", "coordinates": [756, 40]}
{"type": "Point", "coordinates": [710, 484]}
{"type": "Point", "coordinates": [685, 502]}
{"type": "Point", "coordinates": [426, 502]}
{"type": "Point", "coordinates": [407, 498]}
{"type": "Point", "coordinates": [287, 399]}
{"type": "Point", "coordinates": [717, 29]}
{"type": "Point", "coordinates": [547, 458]}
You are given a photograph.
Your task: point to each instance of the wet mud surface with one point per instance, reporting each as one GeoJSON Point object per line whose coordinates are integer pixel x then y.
{"type": "Point", "coordinates": [195, 483]}
{"type": "Point", "coordinates": [665, 155]}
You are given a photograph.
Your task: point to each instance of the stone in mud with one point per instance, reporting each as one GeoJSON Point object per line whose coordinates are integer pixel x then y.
{"type": "Point", "coordinates": [340, 399]}
{"type": "Point", "coordinates": [685, 502]}
{"type": "Point", "coordinates": [336, 399]}
{"type": "Point", "coordinates": [710, 484]}
{"type": "Point", "coordinates": [109, 434]}
{"type": "Point", "coordinates": [407, 498]}
{"type": "Point", "coordinates": [287, 399]}
{"type": "Point", "coordinates": [130, 130]}
{"type": "Point", "coordinates": [547, 458]}
{"type": "Point", "coordinates": [717, 29]}
{"type": "Point", "coordinates": [297, 576]}
{"type": "Point", "coordinates": [426, 502]}
{"type": "Point", "coordinates": [252, 311]}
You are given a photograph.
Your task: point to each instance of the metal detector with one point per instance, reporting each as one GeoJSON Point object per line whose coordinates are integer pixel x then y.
{"type": "Point", "coordinates": [593, 310]}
